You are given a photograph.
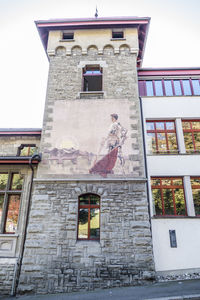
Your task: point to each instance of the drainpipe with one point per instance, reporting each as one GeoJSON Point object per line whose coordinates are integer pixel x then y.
{"type": "Point", "coordinates": [18, 265]}
{"type": "Point", "coordinates": [145, 161]}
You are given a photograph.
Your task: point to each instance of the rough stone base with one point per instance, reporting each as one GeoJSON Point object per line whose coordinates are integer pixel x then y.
{"type": "Point", "coordinates": [54, 261]}
{"type": "Point", "coordinates": [6, 278]}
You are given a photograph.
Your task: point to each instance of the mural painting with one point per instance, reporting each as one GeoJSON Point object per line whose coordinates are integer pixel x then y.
{"type": "Point", "coordinates": [95, 142]}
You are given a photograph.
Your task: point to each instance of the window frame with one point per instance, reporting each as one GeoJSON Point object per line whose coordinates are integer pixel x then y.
{"type": "Point", "coordinates": [92, 68]}
{"type": "Point", "coordinates": [192, 131]}
{"type": "Point", "coordinates": [22, 146]}
{"type": "Point", "coordinates": [89, 207]}
{"type": "Point", "coordinates": [143, 87]}
{"type": "Point", "coordinates": [172, 187]}
{"type": "Point", "coordinates": [165, 131]}
{"type": "Point", "coordinates": [7, 193]}
{"type": "Point", "coordinates": [70, 34]}
{"type": "Point", "coordinates": [118, 32]}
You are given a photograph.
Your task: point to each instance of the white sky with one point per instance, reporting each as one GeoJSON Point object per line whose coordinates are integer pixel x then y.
{"type": "Point", "coordinates": [173, 41]}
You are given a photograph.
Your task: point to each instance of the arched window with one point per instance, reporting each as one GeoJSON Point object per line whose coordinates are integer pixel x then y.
{"type": "Point", "coordinates": [89, 217]}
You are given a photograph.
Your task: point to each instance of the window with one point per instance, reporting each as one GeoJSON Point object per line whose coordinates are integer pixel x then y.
{"type": "Point", "coordinates": [169, 87]}
{"type": "Point", "coordinates": [191, 132]}
{"type": "Point", "coordinates": [68, 36]}
{"type": "Point", "coordinates": [168, 196]}
{"type": "Point", "coordinates": [118, 34]}
{"type": "Point", "coordinates": [27, 150]}
{"type": "Point", "coordinates": [161, 137]}
{"type": "Point", "coordinates": [195, 183]}
{"type": "Point", "coordinates": [10, 193]}
{"type": "Point", "coordinates": [92, 78]}
{"type": "Point", "coordinates": [89, 217]}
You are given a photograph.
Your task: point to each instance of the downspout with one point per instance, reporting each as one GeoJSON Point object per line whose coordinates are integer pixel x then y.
{"type": "Point", "coordinates": [19, 262]}
{"type": "Point", "coordinates": [145, 162]}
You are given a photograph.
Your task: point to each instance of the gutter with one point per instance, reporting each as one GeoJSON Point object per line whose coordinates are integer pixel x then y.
{"type": "Point", "coordinates": [36, 158]}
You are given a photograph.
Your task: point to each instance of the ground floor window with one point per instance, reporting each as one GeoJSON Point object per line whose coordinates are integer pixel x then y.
{"type": "Point", "coordinates": [168, 196]}
{"type": "Point", "coordinates": [10, 194]}
{"type": "Point", "coordinates": [89, 217]}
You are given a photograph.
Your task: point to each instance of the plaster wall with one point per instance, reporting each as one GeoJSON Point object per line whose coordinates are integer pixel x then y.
{"type": "Point", "coordinates": [171, 107]}
{"type": "Point", "coordinates": [186, 255]}
{"type": "Point", "coordinates": [98, 37]}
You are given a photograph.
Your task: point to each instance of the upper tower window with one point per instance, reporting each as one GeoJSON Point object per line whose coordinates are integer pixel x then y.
{"type": "Point", "coordinates": [68, 36]}
{"type": "Point", "coordinates": [118, 34]}
{"type": "Point", "coordinates": [92, 78]}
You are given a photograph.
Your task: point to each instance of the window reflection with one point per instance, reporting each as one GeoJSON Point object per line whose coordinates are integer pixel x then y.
{"type": "Point", "coordinates": [12, 214]}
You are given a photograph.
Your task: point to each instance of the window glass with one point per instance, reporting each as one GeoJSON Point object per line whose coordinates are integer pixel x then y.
{"type": "Point", "coordinates": [186, 87]}
{"type": "Point", "coordinates": [150, 125]}
{"type": "Point", "coordinates": [160, 125]}
{"type": "Point", "coordinates": [168, 202]}
{"type": "Point", "coordinates": [172, 142]}
{"type": "Point", "coordinates": [196, 86]}
{"type": "Point", "coordinates": [177, 88]}
{"type": "Point", "coordinates": [162, 146]}
{"type": "Point", "coordinates": [157, 201]}
{"type": "Point", "coordinates": [151, 142]}
{"type": "Point", "coordinates": [180, 201]}
{"type": "Point", "coordinates": [170, 125]}
{"type": "Point", "coordinates": [158, 87]}
{"type": "Point", "coordinates": [168, 88]}
{"type": "Point", "coordinates": [94, 223]}
{"type": "Point", "coordinates": [83, 223]}
{"type": "Point", "coordinates": [1, 206]}
{"type": "Point", "coordinates": [12, 214]}
{"type": "Point", "coordinates": [94, 200]}
{"type": "Point", "coordinates": [188, 141]}
{"type": "Point", "coordinates": [84, 200]}
{"type": "Point", "coordinates": [16, 182]}
{"type": "Point", "coordinates": [197, 140]}
{"type": "Point", "coordinates": [196, 199]}
{"type": "Point", "coordinates": [155, 181]}
{"type": "Point", "coordinates": [166, 181]}
{"type": "Point", "coordinates": [186, 125]}
{"type": "Point", "coordinates": [118, 35]}
{"type": "Point", "coordinates": [149, 86]}
{"type": "Point", "coordinates": [28, 151]}
{"type": "Point", "coordinates": [196, 125]}
{"type": "Point", "coordinates": [3, 181]}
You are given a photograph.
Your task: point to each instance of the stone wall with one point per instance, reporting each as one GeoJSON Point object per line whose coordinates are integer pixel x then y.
{"type": "Point", "coordinates": [9, 144]}
{"type": "Point", "coordinates": [65, 85]}
{"type": "Point", "coordinates": [54, 261]}
{"type": "Point", "coordinates": [6, 275]}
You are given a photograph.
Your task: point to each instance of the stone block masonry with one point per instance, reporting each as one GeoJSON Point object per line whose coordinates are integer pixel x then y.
{"type": "Point", "coordinates": [6, 275]}
{"type": "Point", "coordinates": [54, 261]}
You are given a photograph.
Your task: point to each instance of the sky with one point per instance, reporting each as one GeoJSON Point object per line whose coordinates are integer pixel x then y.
{"type": "Point", "coordinates": [173, 41]}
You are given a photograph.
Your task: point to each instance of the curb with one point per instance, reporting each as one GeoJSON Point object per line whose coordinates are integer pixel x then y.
{"type": "Point", "coordinates": [187, 297]}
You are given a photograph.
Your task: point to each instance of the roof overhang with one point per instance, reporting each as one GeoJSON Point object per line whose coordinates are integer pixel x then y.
{"type": "Point", "coordinates": [169, 72]}
{"type": "Point", "coordinates": [142, 24]}
{"type": "Point", "coordinates": [20, 131]}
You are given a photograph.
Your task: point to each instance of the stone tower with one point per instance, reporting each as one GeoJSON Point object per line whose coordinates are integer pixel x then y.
{"type": "Point", "coordinates": [89, 223]}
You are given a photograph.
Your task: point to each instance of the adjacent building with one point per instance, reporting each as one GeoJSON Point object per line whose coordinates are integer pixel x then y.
{"type": "Point", "coordinates": [107, 193]}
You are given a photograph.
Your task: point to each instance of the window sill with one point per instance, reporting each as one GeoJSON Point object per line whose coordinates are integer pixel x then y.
{"type": "Point", "coordinates": [118, 39]}
{"type": "Point", "coordinates": [67, 40]}
{"type": "Point", "coordinates": [175, 217]}
{"type": "Point", "coordinates": [91, 95]}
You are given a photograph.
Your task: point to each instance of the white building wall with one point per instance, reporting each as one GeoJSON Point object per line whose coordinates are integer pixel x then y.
{"type": "Point", "coordinates": [186, 255]}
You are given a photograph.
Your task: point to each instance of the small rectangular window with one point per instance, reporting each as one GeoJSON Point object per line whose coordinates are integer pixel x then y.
{"type": "Point", "coordinates": [117, 34]}
{"type": "Point", "coordinates": [68, 36]}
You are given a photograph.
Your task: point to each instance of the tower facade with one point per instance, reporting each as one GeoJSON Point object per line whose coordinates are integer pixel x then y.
{"type": "Point", "coordinates": [89, 222]}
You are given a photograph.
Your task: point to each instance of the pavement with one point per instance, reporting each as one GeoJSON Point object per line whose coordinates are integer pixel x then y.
{"type": "Point", "coordinates": [171, 290]}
